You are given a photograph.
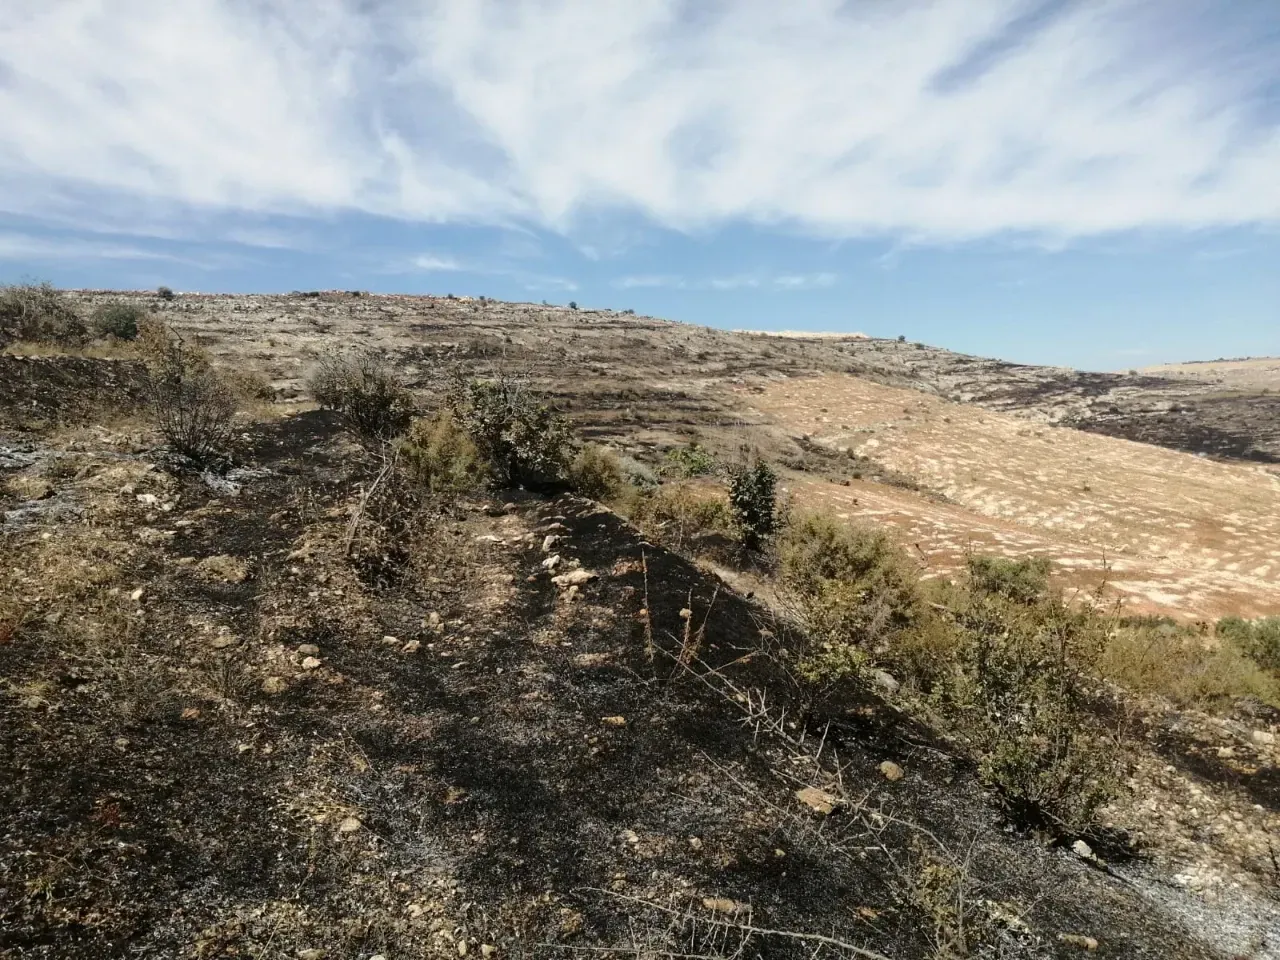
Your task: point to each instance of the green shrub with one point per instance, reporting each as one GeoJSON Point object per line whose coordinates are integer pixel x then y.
{"type": "Point", "coordinates": [118, 319]}
{"type": "Point", "coordinates": [39, 312]}
{"type": "Point", "coordinates": [852, 584]}
{"type": "Point", "coordinates": [438, 454]}
{"type": "Point", "coordinates": [689, 461]}
{"type": "Point", "coordinates": [365, 392]}
{"type": "Point", "coordinates": [165, 293]}
{"type": "Point", "coordinates": [1023, 581]}
{"type": "Point", "coordinates": [523, 439]}
{"type": "Point", "coordinates": [753, 501]}
{"type": "Point", "coordinates": [1258, 639]}
{"type": "Point", "coordinates": [1017, 695]}
{"type": "Point", "coordinates": [596, 473]}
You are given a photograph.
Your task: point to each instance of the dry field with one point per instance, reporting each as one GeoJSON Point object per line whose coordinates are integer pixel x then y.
{"type": "Point", "coordinates": [1179, 534]}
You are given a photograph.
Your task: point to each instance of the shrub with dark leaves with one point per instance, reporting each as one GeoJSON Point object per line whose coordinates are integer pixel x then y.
{"type": "Point", "coordinates": [752, 496]}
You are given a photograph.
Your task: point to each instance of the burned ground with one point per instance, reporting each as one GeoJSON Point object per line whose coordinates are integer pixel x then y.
{"type": "Point", "coordinates": [269, 756]}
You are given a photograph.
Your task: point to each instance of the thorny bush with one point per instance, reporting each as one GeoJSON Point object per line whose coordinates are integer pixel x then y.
{"type": "Point", "coordinates": [365, 391]}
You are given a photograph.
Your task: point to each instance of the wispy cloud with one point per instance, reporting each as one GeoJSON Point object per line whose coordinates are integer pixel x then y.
{"type": "Point", "coordinates": [933, 121]}
{"type": "Point", "coordinates": [24, 247]}
{"type": "Point", "coordinates": [737, 281]}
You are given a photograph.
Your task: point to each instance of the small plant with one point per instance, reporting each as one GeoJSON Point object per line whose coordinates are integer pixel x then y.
{"type": "Point", "coordinates": [753, 501]}
{"type": "Point", "coordinates": [689, 461]}
{"type": "Point", "coordinates": [365, 392]}
{"type": "Point", "coordinates": [118, 319]}
{"type": "Point", "coordinates": [573, 304]}
{"type": "Point", "coordinates": [596, 473]}
{"type": "Point", "coordinates": [853, 585]}
{"type": "Point", "coordinates": [1022, 581]}
{"type": "Point", "coordinates": [679, 513]}
{"type": "Point", "coordinates": [39, 312]}
{"type": "Point", "coordinates": [523, 439]}
{"type": "Point", "coordinates": [902, 338]}
{"type": "Point", "coordinates": [165, 293]}
{"type": "Point", "coordinates": [192, 406]}
{"type": "Point", "coordinates": [438, 454]}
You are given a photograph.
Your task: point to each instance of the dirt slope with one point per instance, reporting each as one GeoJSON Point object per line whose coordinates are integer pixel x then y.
{"type": "Point", "coordinates": [279, 756]}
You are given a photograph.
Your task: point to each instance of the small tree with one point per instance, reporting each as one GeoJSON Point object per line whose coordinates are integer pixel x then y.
{"type": "Point", "coordinates": [525, 441]}
{"type": "Point", "coordinates": [573, 304]}
{"type": "Point", "coordinates": [752, 498]}
{"type": "Point", "coordinates": [165, 293]}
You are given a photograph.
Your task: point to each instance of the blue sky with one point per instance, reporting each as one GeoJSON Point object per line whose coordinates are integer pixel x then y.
{"type": "Point", "coordinates": [1084, 182]}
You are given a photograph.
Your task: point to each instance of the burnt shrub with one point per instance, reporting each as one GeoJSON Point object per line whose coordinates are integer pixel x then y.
{"type": "Point", "coordinates": [437, 453]}
{"type": "Point", "coordinates": [192, 406]}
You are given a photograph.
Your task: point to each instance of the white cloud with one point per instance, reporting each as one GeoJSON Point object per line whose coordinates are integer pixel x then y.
{"type": "Point", "coordinates": [923, 120]}
{"type": "Point", "coordinates": [804, 281]}
{"type": "Point", "coordinates": [431, 263]}
{"type": "Point", "coordinates": [649, 280]}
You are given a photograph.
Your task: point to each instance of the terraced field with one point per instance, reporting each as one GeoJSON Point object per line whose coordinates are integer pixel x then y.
{"type": "Point", "coordinates": [1174, 533]}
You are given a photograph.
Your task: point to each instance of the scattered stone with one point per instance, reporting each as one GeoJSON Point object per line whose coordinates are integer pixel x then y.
{"type": "Point", "coordinates": [1082, 850]}
{"type": "Point", "coordinates": [349, 825]}
{"type": "Point", "coordinates": [817, 800]}
{"type": "Point", "coordinates": [891, 770]}
{"type": "Point", "coordinates": [488, 949]}
{"type": "Point", "coordinates": [224, 639]}
{"type": "Point", "coordinates": [308, 650]}
{"type": "Point", "coordinates": [551, 561]}
{"type": "Point", "coordinates": [412, 646]}
{"type": "Point", "coordinates": [274, 685]}
{"type": "Point", "coordinates": [311, 663]}
{"type": "Point", "coordinates": [389, 639]}
{"type": "Point", "coordinates": [548, 542]}
{"type": "Point", "coordinates": [136, 595]}
{"type": "Point", "coordinates": [614, 721]}
{"type": "Point", "coordinates": [1076, 940]}
{"type": "Point", "coordinates": [315, 953]}
{"type": "Point", "coordinates": [1264, 737]}
{"type": "Point", "coordinates": [630, 836]}
{"type": "Point", "coordinates": [462, 948]}
{"type": "Point", "coordinates": [885, 681]}
{"type": "Point", "coordinates": [1226, 753]}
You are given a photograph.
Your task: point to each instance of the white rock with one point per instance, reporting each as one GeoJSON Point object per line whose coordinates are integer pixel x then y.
{"type": "Point", "coordinates": [311, 663]}
{"type": "Point", "coordinates": [548, 542]}
{"type": "Point", "coordinates": [573, 578]}
{"type": "Point", "coordinates": [1082, 849]}
{"type": "Point", "coordinates": [1264, 737]}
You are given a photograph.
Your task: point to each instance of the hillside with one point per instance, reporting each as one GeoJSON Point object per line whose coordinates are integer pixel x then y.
{"type": "Point", "coordinates": [277, 705]}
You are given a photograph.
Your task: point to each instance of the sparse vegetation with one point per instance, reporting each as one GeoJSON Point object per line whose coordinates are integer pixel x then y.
{"type": "Point", "coordinates": [41, 313]}
{"type": "Point", "coordinates": [165, 293]}
{"type": "Point", "coordinates": [366, 392]}
{"type": "Point", "coordinates": [440, 456]}
{"type": "Point", "coordinates": [753, 500]}
{"type": "Point", "coordinates": [679, 514]}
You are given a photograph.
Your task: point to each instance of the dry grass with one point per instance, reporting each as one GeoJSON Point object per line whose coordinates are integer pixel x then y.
{"type": "Point", "coordinates": [679, 514]}
{"type": "Point", "coordinates": [1184, 666]}
{"type": "Point", "coordinates": [98, 350]}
